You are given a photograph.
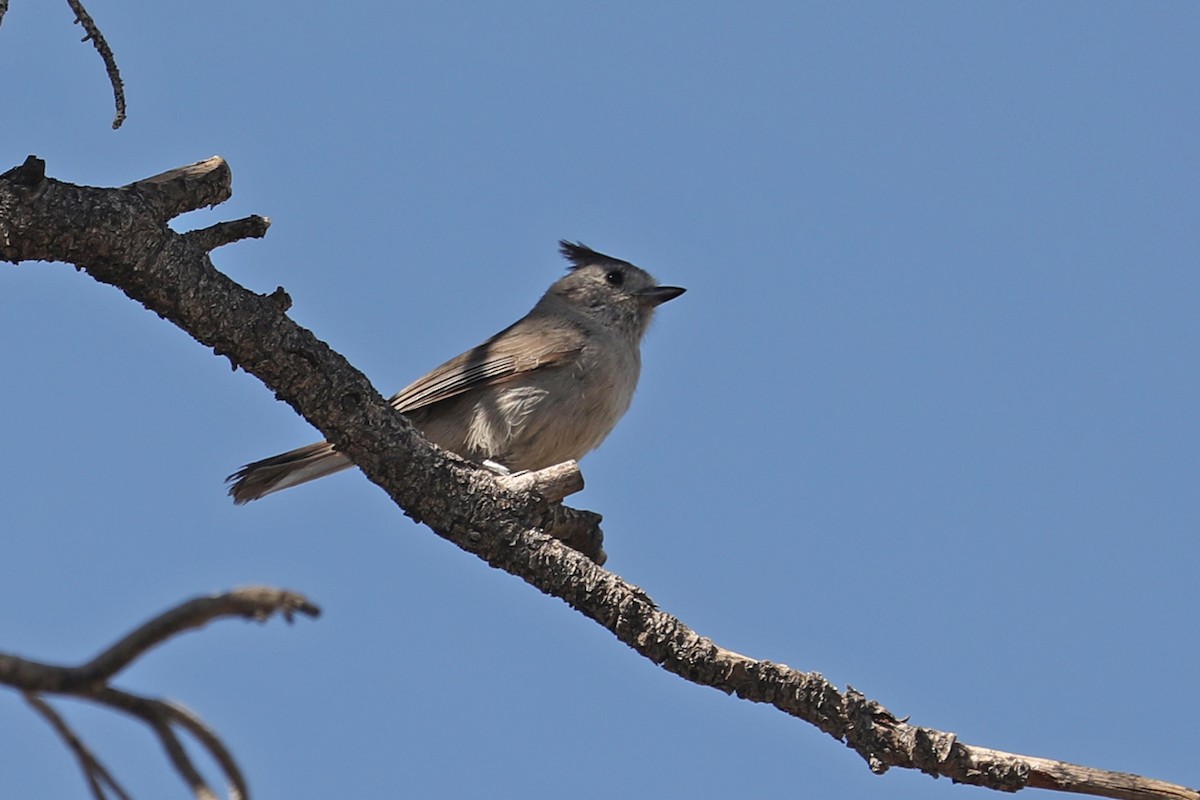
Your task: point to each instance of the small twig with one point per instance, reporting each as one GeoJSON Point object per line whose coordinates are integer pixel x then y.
{"type": "Point", "coordinates": [222, 233]}
{"type": "Point", "coordinates": [160, 716]}
{"type": "Point", "coordinates": [179, 757]}
{"type": "Point", "coordinates": [82, 17]}
{"type": "Point", "coordinates": [97, 775]}
{"type": "Point", "coordinates": [254, 602]}
{"type": "Point", "coordinates": [552, 483]}
{"type": "Point", "coordinates": [216, 748]}
{"type": "Point", "coordinates": [3, 10]}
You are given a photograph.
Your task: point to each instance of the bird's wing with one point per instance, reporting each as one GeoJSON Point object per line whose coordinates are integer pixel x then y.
{"type": "Point", "coordinates": [513, 351]}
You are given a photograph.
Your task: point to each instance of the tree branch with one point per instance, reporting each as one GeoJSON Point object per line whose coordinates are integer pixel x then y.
{"type": "Point", "coordinates": [161, 717]}
{"type": "Point", "coordinates": [506, 524]}
{"type": "Point", "coordinates": [90, 682]}
{"type": "Point", "coordinates": [96, 773]}
{"type": "Point", "coordinates": [92, 31]}
{"type": "Point", "coordinates": [121, 237]}
{"type": "Point", "coordinates": [257, 603]}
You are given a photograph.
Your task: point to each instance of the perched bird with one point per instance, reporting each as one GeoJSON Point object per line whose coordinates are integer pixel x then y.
{"type": "Point", "coordinates": [547, 389]}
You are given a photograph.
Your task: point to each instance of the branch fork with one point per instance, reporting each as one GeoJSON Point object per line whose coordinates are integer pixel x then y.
{"type": "Point", "coordinates": [92, 681]}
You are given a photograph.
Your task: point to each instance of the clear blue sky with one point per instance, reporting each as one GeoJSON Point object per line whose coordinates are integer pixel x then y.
{"type": "Point", "coordinates": [927, 420]}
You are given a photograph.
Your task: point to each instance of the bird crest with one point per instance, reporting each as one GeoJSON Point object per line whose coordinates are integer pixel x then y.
{"type": "Point", "coordinates": [580, 255]}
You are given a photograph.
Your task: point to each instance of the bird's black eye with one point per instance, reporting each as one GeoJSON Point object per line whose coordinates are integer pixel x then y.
{"type": "Point", "coordinates": [614, 277]}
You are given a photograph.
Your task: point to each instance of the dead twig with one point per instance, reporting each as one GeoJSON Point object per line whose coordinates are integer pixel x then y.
{"type": "Point", "coordinates": [96, 773]}
{"type": "Point", "coordinates": [90, 681]}
{"type": "Point", "coordinates": [82, 17]}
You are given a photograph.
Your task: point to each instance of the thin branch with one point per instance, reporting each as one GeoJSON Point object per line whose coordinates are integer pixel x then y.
{"type": "Point", "coordinates": [161, 716]}
{"type": "Point", "coordinates": [96, 773]}
{"type": "Point", "coordinates": [82, 17]}
{"type": "Point", "coordinates": [256, 602]}
{"type": "Point", "coordinates": [90, 682]}
{"type": "Point", "coordinates": [472, 508]}
{"type": "Point", "coordinates": [223, 233]}
{"type": "Point", "coordinates": [209, 739]}
{"type": "Point", "coordinates": [155, 714]}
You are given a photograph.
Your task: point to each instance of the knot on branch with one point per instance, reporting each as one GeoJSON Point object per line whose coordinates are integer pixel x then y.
{"type": "Point", "coordinates": [279, 298]}
{"type": "Point", "coordinates": [1006, 773]}
{"type": "Point", "coordinates": [884, 741]}
{"type": "Point", "coordinates": [871, 730]}
{"type": "Point", "coordinates": [577, 528]}
{"type": "Point", "coordinates": [929, 749]}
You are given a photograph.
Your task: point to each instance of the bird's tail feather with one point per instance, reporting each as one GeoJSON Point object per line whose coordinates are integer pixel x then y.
{"type": "Point", "coordinates": [297, 466]}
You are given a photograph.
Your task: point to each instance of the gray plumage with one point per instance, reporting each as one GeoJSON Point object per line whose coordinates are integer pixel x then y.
{"type": "Point", "coordinates": [547, 389]}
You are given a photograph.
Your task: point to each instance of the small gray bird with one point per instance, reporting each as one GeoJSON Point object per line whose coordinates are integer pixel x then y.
{"type": "Point", "coordinates": [544, 390]}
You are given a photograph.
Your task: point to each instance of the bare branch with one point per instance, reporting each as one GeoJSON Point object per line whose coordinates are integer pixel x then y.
{"type": "Point", "coordinates": [506, 525]}
{"type": "Point", "coordinates": [82, 17]}
{"type": "Point", "coordinates": [257, 603]}
{"type": "Point", "coordinates": [223, 233]}
{"type": "Point", "coordinates": [90, 682]}
{"type": "Point", "coordinates": [95, 772]}
{"type": "Point", "coordinates": [171, 274]}
{"type": "Point", "coordinates": [216, 748]}
{"type": "Point", "coordinates": [158, 715]}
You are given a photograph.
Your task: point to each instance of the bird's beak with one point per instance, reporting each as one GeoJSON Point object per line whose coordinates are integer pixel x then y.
{"type": "Point", "coordinates": [657, 295]}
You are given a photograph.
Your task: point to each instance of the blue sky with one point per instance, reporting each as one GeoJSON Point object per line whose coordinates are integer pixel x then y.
{"type": "Point", "coordinates": [927, 420]}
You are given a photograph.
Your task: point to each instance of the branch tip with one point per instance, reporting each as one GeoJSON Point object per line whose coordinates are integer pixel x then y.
{"type": "Point", "coordinates": [201, 185]}
{"type": "Point", "coordinates": [223, 233]}
{"type": "Point", "coordinates": [82, 17]}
